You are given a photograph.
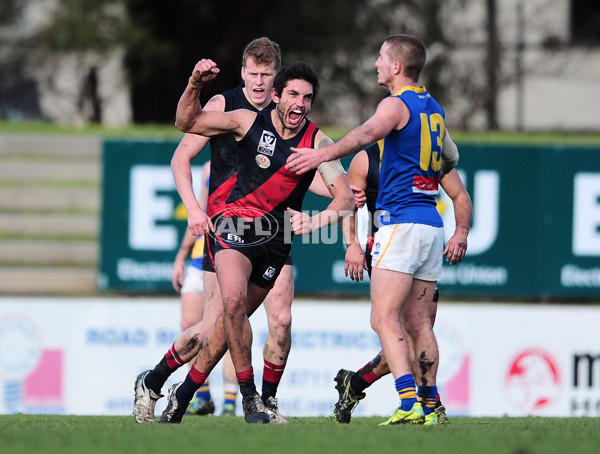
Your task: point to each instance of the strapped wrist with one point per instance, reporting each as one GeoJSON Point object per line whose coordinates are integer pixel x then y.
{"type": "Point", "coordinates": [194, 83]}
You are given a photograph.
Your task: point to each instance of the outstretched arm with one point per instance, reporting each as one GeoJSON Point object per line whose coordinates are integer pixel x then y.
{"type": "Point", "coordinates": [391, 114]}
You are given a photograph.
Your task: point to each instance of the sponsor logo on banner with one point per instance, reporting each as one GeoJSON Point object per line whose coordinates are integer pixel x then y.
{"type": "Point", "coordinates": [153, 203]}
{"type": "Point", "coordinates": [454, 371]}
{"type": "Point", "coordinates": [31, 377]}
{"type": "Point", "coordinates": [533, 381]}
{"type": "Point", "coordinates": [586, 215]}
{"type": "Point", "coordinates": [585, 391]}
{"type": "Point", "coordinates": [113, 337]}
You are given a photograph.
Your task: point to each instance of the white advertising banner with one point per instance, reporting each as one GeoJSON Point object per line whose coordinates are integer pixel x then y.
{"type": "Point", "coordinates": [81, 356]}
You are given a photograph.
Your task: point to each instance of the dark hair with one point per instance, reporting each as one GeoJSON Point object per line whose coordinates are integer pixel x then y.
{"type": "Point", "coordinates": [410, 51]}
{"type": "Point", "coordinates": [299, 70]}
{"type": "Point", "coordinates": [263, 51]}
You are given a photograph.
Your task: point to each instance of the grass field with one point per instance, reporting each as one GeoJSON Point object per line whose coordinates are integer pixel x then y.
{"type": "Point", "coordinates": [120, 434]}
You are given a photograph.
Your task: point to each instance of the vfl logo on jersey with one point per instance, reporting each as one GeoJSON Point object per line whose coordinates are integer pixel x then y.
{"type": "Point", "coordinates": [269, 273]}
{"type": "Point", "coordinates": [262, 161]}
{"type": "Point", "coordinates": [425, 185]}
{"type": "Point", "coordinates": [267, 142]}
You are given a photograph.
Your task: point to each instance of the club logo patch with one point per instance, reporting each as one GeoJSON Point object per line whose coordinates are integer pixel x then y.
{"type": "Point", "coordinates": [267, 142]}
{"type": "Point", "coordinates": [269, 273]}
{"type": "Point", "coordinates": [376, 249]}
{"type": "Point", "coordinates": [262, 161]}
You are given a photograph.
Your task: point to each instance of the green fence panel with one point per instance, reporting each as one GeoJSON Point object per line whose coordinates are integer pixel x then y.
{"type": "Point", "coordinates": [535, 231]}
{"type": "Point", "coordinates": [143, 219]}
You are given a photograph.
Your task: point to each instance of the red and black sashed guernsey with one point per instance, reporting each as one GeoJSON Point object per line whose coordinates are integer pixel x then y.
{"type": "Point", "coordinates": [264, 188]}
{"type": "Point", "coordinates": [223, 168]}
{"type": "Point", "coordinates": [224, 156]}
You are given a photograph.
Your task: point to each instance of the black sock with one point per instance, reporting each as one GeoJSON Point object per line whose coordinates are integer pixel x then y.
{"type": "Point", "coordinates": [186, 391]}
{"type": "Point", "coordinates": [247, 388]}
{"type": "Point", "coordinates": [358, 383]}
{"type": "Point", "coordinates": [158, 376]}
{"type": "Point", "coordinates": [269, 389]}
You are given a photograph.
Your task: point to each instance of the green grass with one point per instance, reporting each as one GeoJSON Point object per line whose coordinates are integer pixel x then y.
{"type": "Point", "coordinates": [120, 434]}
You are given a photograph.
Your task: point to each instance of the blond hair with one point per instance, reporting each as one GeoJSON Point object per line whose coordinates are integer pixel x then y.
{"type": "Point", "coordinates": [264, 52]}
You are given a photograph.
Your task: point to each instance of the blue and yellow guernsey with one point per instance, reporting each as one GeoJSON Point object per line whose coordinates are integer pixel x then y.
{"type": "Point", "coordinates": [197, 253]}
{"type": "Point", "coordinates": [411, 162]}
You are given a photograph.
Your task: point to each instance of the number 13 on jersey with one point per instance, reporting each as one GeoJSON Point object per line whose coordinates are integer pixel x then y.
{"type": "Point", "coordinates": [432, 135]}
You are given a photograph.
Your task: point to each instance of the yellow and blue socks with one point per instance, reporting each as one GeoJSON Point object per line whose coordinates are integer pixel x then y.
{"type": "Point", "coordinates": [428, 396]}
{"type": "Point", "coordinates": [407, 391]}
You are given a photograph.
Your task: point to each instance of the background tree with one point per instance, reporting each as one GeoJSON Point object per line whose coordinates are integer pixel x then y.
{"type": "Point", "coordinates": [469, 51]}
{"type": "Point", "coordinates": [69, 28]}
{"type": "Point", "coordinates": [17, 91]}
{"type": "Point", "coordinates": [340, 38]}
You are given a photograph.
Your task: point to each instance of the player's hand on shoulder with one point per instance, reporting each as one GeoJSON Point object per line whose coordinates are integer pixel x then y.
{"type": "Point", "coordinates": [302, 160]}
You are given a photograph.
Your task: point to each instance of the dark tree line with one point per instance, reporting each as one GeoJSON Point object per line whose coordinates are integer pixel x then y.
{"type": "Point", "coordinates": [164, 39]}
{"type": "Point", "coordinates": [169, 37]}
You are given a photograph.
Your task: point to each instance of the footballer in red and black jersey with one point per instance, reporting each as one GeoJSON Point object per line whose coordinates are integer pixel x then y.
{"type": "Point", "coordinates": [223, 166]}
{"type": "Point", "coordinates": [255, 221]}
